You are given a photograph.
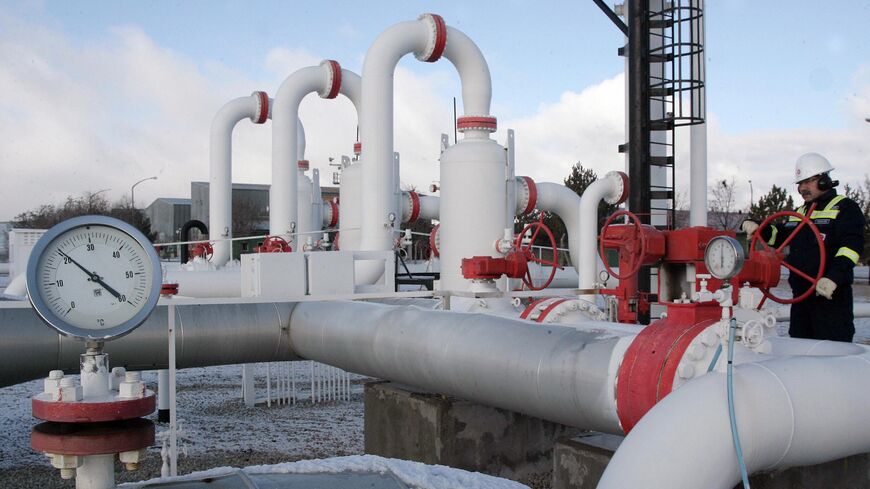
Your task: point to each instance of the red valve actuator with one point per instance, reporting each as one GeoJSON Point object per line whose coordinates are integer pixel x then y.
{"type": "Point", "coordinates": [513, 265]}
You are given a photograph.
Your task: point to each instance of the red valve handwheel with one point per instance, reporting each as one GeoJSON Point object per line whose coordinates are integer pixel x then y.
{"type": "Point", "coordinates": [275, 244]}
{"type": "Point", "coordinates": [805, 221]}
{"type": "Point", "coordinates": [635, 246]}
{"type": "Point", "coordinates": [204, 250]}
{"type": "Point", "coordinates": [538, 226]}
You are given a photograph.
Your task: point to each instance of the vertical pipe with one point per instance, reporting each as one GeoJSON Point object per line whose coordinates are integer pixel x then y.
{"type": "Point", "coordinates": [96, 472]}
{"type": "Point", "coordinates": [698, 132]}
{"type": "Point", "coordinates": [163, 395]}
{"type": "Point", "coordinates": [173, 417]}
{"type": "Point", "coordinates": [639, 121]}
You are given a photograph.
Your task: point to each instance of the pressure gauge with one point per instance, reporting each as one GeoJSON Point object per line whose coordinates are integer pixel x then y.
{"type": "Point", "coordinates": [93, 277]}
{"type": "Point", "coordinates": [724, 257]}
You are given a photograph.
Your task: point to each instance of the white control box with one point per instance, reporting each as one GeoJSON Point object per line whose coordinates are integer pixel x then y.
{"type": "Point", "coordinates": [330, 273]}
{"type": "Point", "coordinates": [278, 276]}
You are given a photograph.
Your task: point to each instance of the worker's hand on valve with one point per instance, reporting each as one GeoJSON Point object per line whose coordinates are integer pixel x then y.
{"type": "Point", "coordinates": [825, 287]}
{"type": "Point", "coordinates": [749, 227]}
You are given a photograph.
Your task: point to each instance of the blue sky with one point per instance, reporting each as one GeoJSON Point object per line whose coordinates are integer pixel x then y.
{"type": "Point", "coordinates": [777, 71]}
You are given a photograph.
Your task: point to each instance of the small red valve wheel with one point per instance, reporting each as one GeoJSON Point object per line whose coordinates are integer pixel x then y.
{"type": "Point", "coordinates": [536, 227]}
{"type": "Point", "coordinates": [805, 221]}
{"type": "Point", "coordinates": [632, 247]}
{"type": "Point", "coordinates": [204, 250]}
{"type": "Point", "coordinates": [274, 244]}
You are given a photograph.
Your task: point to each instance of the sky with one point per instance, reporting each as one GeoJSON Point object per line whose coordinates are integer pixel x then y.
{"type": "Point", "coordinates": [98, 95]}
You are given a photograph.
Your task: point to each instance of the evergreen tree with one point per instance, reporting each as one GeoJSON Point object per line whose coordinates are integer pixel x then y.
{"type": "Point", "coordinates": [774, 201]}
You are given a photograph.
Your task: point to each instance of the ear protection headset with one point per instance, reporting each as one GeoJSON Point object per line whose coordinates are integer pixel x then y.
{"type": "Point", "coordinates": [825, 183]}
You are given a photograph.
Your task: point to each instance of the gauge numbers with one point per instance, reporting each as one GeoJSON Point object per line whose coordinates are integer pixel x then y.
{"type": "Point", "coordinates": [724, 257]}
{"type": "Point", "coordinates": [96, 277]}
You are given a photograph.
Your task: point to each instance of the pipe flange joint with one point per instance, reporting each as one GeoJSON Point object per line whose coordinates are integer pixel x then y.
{"type": "Point", "coordinates": [437, 38]}
{"type": "Point", "coordinates": [262, 107]}
{"type": "Point", "coordinates": [357, 148]}
{"type": "Point", "coordinates": [620, 188]}
{"type": "Point", "coordinates": [333, 79]}
{"type": "Point", "coordinates": [333, 218]}
{"type": "Point", "coordinates": [303, 165]}
{"type": "Point", "coordinates": [414, 200]}
{"type": "Point", "coordinates": [477, 123]}
{"type": "Point", "coordinates": [435, 240]}
{"type": "Point", "coordinates": [527, 199]}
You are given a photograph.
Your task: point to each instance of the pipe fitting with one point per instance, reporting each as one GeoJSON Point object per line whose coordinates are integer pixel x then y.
{"type": "Point", "coordinates": [333, 79]}
{"type": "Point", "coordinates": [527, 197]}
{"type": "Point", "coordinates": [437, 38]}
{"type": "Point", "coordinates": [476, 123]}
{"type": "Point", "coordinates": [262, 112]}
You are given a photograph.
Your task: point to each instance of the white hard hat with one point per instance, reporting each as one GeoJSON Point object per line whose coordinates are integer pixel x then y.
{"type": "Point", "coordinates": [810, 165]}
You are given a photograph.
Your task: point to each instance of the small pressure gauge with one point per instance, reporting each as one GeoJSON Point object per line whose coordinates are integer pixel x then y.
{"type": "Point", "coordinates": [724, 257]}
{"type": "Point", "coordinates": [93, 277]}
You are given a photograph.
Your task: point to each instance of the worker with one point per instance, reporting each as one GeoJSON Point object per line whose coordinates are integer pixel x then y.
{"type": "Point", "coordinates": [827, 314]}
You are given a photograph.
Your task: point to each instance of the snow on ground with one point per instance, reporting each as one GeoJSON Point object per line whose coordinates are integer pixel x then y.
{"type": "Point", "coordinates": [413, 474]}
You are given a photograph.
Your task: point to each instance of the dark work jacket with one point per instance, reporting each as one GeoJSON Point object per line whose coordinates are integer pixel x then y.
{"type": "Point", "coordinates": [841, 224]}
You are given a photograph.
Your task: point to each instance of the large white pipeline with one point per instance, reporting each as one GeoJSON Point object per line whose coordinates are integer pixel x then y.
{"type": "Point", "coordinates": [790, 412]}
{"type": "Point", "coordinates": [428, 38]}
{"type": "Point", "coordinates": [328, 80]}
{"type": "Point", "coordinates": [613, 189]}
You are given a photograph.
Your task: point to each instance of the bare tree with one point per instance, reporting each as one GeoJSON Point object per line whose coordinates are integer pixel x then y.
{"type": "Point", "coordinates": [724, 214]}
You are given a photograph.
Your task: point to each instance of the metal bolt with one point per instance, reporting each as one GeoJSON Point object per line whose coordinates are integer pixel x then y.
{"type": "Point", "coordinates": [67, 382]}
{"type": "Point", "coordinates": [55, 374]}
{"type": "Point", "coordinates": [696, 352]}
{"type": "Point", "coordinates": [67, 474]}
{"type": "Point", "coordinates": [686, 371]}
{"type": "Point", "coordinates": [131, 466]}
{"type": "Point", "coordinates": [132, 377]}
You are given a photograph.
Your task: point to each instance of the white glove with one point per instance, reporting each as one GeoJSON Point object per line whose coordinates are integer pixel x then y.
{"type": "Point", "coordinates": [749, 227]}
{"type": "Point", "coordinates": [825, 287]}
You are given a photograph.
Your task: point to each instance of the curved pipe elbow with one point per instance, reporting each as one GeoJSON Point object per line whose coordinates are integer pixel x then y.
{"type": "Point", "coordinates": [613, 189]}
{"type": "Point", "coordinates": [473, 72]}
{"type": "Point", "coordinates": [814, 411]}
{"type": "Point", "coordinates": [256, 107]}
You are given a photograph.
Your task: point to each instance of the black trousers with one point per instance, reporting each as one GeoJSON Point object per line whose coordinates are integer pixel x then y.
{"type": "Point", "coordinates": [822, 319]}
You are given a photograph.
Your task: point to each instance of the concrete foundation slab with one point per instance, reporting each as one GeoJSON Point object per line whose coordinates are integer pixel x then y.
{"type": "Point", "coordinates": [408, 423]}
{"type": "Point", "coordinates": [579, 462]}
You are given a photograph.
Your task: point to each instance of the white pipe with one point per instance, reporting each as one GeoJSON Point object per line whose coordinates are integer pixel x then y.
{"type": "Point", "coordinates": [613, 189]}
{"type": "Point", "coordinates": [96, 472]}
{"type": "Point", "coordinates": [325, 79]}
{"type": "Point", "coordinates": [425, 207]}
{"type": "Point", "coordinates": [207, 283]}
{"type": "Point", "coordinates": [698, 136]}
{"type": "Point", "coordinates": [813, 411]}
{"type": "Point", "coordinates": [523, 367]}
{"type": "Point", "coordinates": [859, 310]}
{"type": "Point", "coordinates": [565, 203]}
{"type": "Point", "coordinates": [256, 108]}
{"type": "Point", "coordinates": [421, 37]}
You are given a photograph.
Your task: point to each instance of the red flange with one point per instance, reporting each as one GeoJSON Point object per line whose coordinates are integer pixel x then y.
{"type": "Point", "coordinates": [646, 374]}
{"type": "Point", "coordinates": [357, 148]}
{"type": "Point", "coordinates": [334, 88]}
{"type": "Point", "coordinates": [92, 438]}
{"type": "Point", "coordinates": [303, 165]}
{"type": "Point", "coordinates": [334, 220]}
{"type": "Point", "coordinates": [415, 207]}
{"type": "Point", "coordinates": [440, 38]}
{"type": "Point", "coordinates": [433, 240]}
{"type": "Point", "coordinates": [263, 105]}
{"type": "Point", "coordinates": [92, 412]}
{"type": "Point", "coordinates": [483, 123]}
{"type": "Point", "coordinates": [169, 289]}
{"type": "Point", "coordinates": [533, 195]}
{"type": "Point", "coordinates": [274, 244]}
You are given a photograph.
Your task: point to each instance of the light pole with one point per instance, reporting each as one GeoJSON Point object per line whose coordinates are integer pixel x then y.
{"type": "Point", "coordinates": [751, 198]}
{"type": "Point", "coordinates": [133, 194]}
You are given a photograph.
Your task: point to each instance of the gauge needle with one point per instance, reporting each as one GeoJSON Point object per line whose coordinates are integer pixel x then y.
{"type": "Point", "coordinates": [92, 275]}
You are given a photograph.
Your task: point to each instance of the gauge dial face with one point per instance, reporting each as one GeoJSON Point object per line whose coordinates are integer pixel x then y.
{"type": "Point", "coordinates": [724, 257]}
{"type": "Point", "coordinates": [94, 277]}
